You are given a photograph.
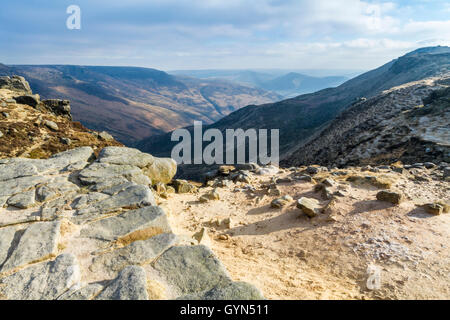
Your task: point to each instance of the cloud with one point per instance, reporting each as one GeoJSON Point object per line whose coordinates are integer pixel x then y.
{"type": "Point", "coordinates": [171, 34]}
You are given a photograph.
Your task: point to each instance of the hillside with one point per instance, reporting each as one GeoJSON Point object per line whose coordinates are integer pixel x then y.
{"type": "Point", "coordinates": [133, 103]}
{"type": "Point", "coordinates": [408, 123]}
{"type": "Point", "coordinates": [300, 119]}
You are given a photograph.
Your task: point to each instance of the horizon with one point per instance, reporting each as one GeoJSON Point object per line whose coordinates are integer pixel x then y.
{"type": "Point", "coordinates": [237, 35]}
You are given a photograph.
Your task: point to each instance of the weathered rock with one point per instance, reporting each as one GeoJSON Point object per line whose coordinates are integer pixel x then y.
{"type": "Point", "coordinates": [86, 293]}
{"type": "Point", "coordinates": [133, 196]}
{"type": "Point", "coordinates": [212, 195]}
{"type": "Point", "coordinates": [130, 226]}
{"type": "Point", "coordinates": [312, 170]}
{"type": "Point", "coordinates": [14, 186]}
{"type": "Point", "coordinates": [130, 284]}
{"type": "Point", "coordinates": [105, 136]}
{"type": "Point", "coordinates": [309, 206]}
{"type": "Point", "coordinates": [43, 281]}
{"type": "Point", "coordinates": [446, 172]}
{"type": "Point", "coordinates": [31, 100]}
{"type": "Point", "coordinates": [268, 170]}
{"type": "Point", "coordinates": [85, 200]}
{"type": "Point", "coordinates": [157, 169]}
{"type": "Point", "coordinates": [192, 269]}
{"type": "Point", "coordinates": [202, 237]}
{"type": "Point", "coordinates": [15, 83]}
{"type": "Point", "coordinates": [226, 170]}
{"type": "Point", "coordinates": [161, 170]}
{"type": "Point", "coordinates": [16, 170]}
{"type": "Point", "coordinates": [281, 202]}
{"type": "Point", "coordinates": [38, 242]}
{"type": "Point", "coordinates": [6, 238]}
{"type": "Point", "coordinates": [59, 107]}
{"type": "Point", "coordinates": [138, 253]}
{"type": "Point", "coordinates": [104, 172]}
{"type": "Point", "coordinates": [390, 196]}
{"type": "Point", "coordinates": [305, 178]}
{"type": "Point", "coordinates": [182, 186]}
{"type": "Point", "coordinates": [54, 189]}
{"type": "Point", "coordinates": [434, 208]}
{"type": "Point", "coordinates": [1, 134]}
{"type": "Point", "coordinates": [23, 200]}
{"type": "Point", "coordinates": [230, 291]}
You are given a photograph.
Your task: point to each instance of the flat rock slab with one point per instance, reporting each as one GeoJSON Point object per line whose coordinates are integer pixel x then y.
{"type": "Point", "coordinates": [192, 269]}
{"type": "Point", "coordinates": [138, 253]}
{"type": "Point", "coordinates": [133, 196]}
{"type": "Point", "coordinates": [17, 170]}
{"type": "Point", "coordinates": [132, 225]}
{"type": "Point", "coordinates": [23, 200]}
{"type": "Point", "coordinates": [86, 293]}
{"type": "Point", "coordinates": [39, 241]}
{"type": "Point", "coordinates": [43, 281]}
{"type": "Point", "coordinates": [230, 291]}
{"type": "Point", "coordinates": [99, 172]}
{"type": "Point", "coordinates": [125, 156]}
{"type": "Point", "coordinates": [6, 239]}
{"type": "Point", "coordinates": [130, 284]}
{"type": "Point", "coordinates": [11, 187]}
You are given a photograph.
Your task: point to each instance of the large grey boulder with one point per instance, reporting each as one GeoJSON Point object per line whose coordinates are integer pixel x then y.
{"type": "Point", "coordinates": [43, 281]}
{"type": "Point", "coordinates": [138, 253]}
{"type": "Point", "coordinates": [102, 172]}
{"type": "Point", "coordinates": [192, 269]}
{"type": "Point", "coordinates": [39, 241]}
{"type": "Point", "coordinates": [130, 284]}
{"type": "Point", "coordinates": [142, 223]}
{"type": "Point", "coordinates": [157, 169]}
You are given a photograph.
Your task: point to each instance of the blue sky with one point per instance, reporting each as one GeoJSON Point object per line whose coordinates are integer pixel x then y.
{"type": "Point", "coordinates": [235, 34]}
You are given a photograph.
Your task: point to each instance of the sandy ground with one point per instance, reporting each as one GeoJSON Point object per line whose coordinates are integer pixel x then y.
{"type": "Point", "coordinates": [291, 256]}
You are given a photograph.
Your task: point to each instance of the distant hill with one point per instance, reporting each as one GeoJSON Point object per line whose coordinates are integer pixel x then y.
{"type": "Point", "coordinates": [294, 84]}
{"type": "Point", "coordinates": [287, 84]}
{"type": "Point", "coordinates": [302, 118]}
{"type": "Point", "coordinates": [133, 103]}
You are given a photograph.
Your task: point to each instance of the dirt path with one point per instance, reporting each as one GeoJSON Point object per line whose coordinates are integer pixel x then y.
{"type": "Point", "coordinates": [290, 256]}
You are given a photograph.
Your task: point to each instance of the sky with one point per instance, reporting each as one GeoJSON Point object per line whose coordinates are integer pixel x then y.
{"type": "Point", "coordinates": [221, 34]}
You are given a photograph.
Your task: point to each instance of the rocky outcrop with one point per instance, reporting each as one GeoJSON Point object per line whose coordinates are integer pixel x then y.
{"type": "Point", "coordinates": [33, 128]}
{"type": "Point", "coordinates": [15, 83]}
{"type": "Point", "coordinates": [77, 226]}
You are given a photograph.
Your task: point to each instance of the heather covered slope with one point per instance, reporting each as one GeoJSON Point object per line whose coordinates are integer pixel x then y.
{"type": "Point", "coordinates": [133, 103]}
{"type": "Point", "coordinates": [408, 123]}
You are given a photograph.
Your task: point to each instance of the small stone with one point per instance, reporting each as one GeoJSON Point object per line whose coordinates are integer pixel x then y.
{"type": "Point", "coordinates": [202, 237]}
{"type": "Point", "coordinates": [51, 125]}
{"type": "Point", "coordinates": [429, 165]}
{"type": "Point", "coordinates": [182, 186]}
{"type": "Point", "coordinates": [390, 196]}
{"type": "Point", "coordinates": [281, 202]}
{"type": "Point", "coordinates": [105, 136]}
{"type": "Point", "coordinates": [309, 206]}
{"type": "Point", "coordinates": [212, 195]}
{"type": "Point", "coordinates": [434, 208]}
{"type": "Point", "coordinates": [226, 170]}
